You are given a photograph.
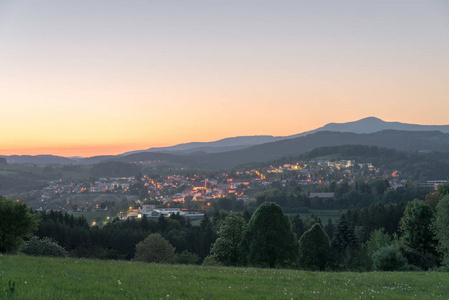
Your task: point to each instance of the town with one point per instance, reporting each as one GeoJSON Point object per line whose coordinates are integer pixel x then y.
{"type": "Point", "coordinates": [196, 190]}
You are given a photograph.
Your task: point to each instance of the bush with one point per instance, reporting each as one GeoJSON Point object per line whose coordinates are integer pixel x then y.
{"type": "Point", "coordinates": [186, 258]}
{"type": "Point", "coordinates": [410, 268]}
{"type": "Point", "coordinates": [155, 249]}
{"type": "Point", "coordinates": [43, 247]}
{"type": "Point", "coordinates": [423, 261]}
{"type": "Point", "coordinates": [210, 261]}
{"type": "Point", "coordinates": [389, 258]}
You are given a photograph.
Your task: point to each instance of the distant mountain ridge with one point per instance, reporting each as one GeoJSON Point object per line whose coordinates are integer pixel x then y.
{"type": "Point", "coordinates": [409, 141]}
{"type": "Point", "coordinates": [373, 124]}
{"type": "Point", "coordinates": [244, 149]}
{"type": "Point", "coordinates": [366, 125]}
{"type": "Point", "coordinates": [223, 145]}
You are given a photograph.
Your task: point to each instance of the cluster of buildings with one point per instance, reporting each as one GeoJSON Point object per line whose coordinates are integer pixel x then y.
{"type": "Point", "coordinates": [152, 213]}
{"type": "Point", "coordinates": [432, 185]}
{"type": "Point", "coordinates": [324, 172]}
{"type": "Point", "coordinates": [102, 185]}
{"type": "Point", "coordinates": [198, 190]}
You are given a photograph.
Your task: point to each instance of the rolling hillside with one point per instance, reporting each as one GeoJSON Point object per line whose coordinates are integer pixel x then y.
{"type": "Point", "coordinates": [230, 152]}
{"type": "Point", "coordinates": [409, 141]}
{"type": "Point", "coordinates": [26, 277]}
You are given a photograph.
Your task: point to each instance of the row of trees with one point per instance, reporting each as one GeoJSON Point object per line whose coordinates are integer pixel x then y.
{"type": "Point", "coordinates": [405, 236]}
{"type": "Point", "coordinates": [268, 240]}
{"type": "Point", "coordinates": [358, 195]}
{"type": "Point", "coordinates": [395, 236]}
{"type": "Point", "coordinates": [118, 239]}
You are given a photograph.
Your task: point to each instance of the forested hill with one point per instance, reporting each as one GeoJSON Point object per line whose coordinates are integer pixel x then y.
{"type": "Point", "coordinates": [413, 165]}
{"type": "Point", "coordinates": [409, 141]}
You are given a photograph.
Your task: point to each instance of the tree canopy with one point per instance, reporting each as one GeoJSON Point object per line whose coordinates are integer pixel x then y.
{"type": "Point", "coordinates": [440, 227]}
{"type": "Point", "coordinates": [155, 249]}
{"type": "Point", "coordinates": [314, 249]}
{"type": "Point", "coordinates": [269, 240]}
{"type": "Point", "coordinates": [416, 227]}
{"type": "Point", "coordinates": [226, 247]}
{"type": "Point", "coordinates": [16, 223]}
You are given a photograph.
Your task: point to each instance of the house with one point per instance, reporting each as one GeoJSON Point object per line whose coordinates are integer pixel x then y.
{"type": "Point", "coordinates": [432, 185]}
{"type": "Point", "coordinates": [322, 195]}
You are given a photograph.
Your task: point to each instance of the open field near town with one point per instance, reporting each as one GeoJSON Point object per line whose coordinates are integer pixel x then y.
{"type": "Point", "coordinates": [24, 277]}
{"type": "Point", "coordinates": [323, 214]}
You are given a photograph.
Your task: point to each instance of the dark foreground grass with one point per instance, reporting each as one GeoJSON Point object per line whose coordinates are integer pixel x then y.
{"type": "Point", "coordinates": [46, 278]}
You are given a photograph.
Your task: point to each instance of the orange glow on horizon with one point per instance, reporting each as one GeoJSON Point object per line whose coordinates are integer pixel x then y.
{"type": "Point", "coordinates": [166, 136]}
{"type": "Point", "coordinates": [81, 78]}
{"type": "Point", "coordinates": [67, 151]}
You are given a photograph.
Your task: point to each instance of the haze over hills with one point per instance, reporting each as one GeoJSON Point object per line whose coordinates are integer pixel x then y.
{"type": "Point", "coordinates": [373, 124]}
{"type": "Point", "coordinates": [223, 145]}
{"type": "Point", "coordinates": [366, 125]}
{"type": "Point", "coordinates": [423, 141]}
{"type": "Point", "coordinates": [233, 151]}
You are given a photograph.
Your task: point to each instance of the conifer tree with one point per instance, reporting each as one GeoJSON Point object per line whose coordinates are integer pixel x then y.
{"type": "Point", "coordinates": [269, 240]}
{"type": "Point", "coordinates": [314, 249]}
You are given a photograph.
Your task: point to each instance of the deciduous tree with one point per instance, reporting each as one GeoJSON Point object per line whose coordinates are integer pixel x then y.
{"type": "Point", "coordinates": [226, 247]}
{"type": "Point", "coordinates": [416, 227]}
{"type": "Point", "coordinates": [440, 227]}
{"type": "Point", "coordinates": [16, 223]}
{"type": "Point", "coordinates": [155, 249]}
{"type": "Point", "coordinates": [43, 247]}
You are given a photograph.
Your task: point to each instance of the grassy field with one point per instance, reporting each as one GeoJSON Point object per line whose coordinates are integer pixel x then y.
{"type": "Point", "coordinates": [46, 278]}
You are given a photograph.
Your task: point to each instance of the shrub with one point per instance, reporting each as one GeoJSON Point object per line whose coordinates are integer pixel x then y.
{"type": "Point", "coordinates": [210, 261]}
{"type": "Point", "coordinates": [186, 258]}
{"type": "Point", "coordinates": [43, 247]}
{"type": "Point", "coordinates": [389, 258]}
{"type": "Point", "coordinates": [155, 249]}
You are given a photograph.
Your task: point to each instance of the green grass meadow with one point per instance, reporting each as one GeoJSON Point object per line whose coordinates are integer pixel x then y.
{"type": "Point", "coordinates": [59, 278]}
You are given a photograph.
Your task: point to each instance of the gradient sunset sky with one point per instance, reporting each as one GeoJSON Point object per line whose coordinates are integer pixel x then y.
{"type": "Point", "coordinates": [104, 77]}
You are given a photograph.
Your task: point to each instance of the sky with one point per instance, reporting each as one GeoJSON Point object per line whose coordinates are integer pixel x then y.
{"type": "Point", "coordinates": [85, 78]}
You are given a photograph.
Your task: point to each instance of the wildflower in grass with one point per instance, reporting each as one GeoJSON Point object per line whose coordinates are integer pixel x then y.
{"type": "Point", "coordinates": [119, 282]}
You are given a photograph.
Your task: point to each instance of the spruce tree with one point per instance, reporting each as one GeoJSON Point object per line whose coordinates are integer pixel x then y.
{"type": "Point", "coordinates": [269, 240]}
{"type": "Point", "coordinates": [314, 249]}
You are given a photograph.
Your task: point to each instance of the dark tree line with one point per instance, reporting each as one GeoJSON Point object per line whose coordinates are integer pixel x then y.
{"type": "Point", "coordinates": [118, 239]}
{"type": "Point", "coordinates": [358, 195]}
{"type": "Point", "coordinates": [409, 235]}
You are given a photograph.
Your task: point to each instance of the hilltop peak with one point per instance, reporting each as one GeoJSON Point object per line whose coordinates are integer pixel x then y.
{"type": "Point", "coordinates": [371, 119]}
